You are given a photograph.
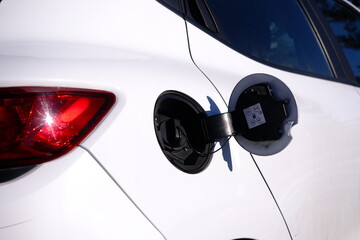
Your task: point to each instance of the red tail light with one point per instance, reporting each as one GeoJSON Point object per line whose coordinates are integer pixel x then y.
{"type": "Point", "coordinates": [38, 124]}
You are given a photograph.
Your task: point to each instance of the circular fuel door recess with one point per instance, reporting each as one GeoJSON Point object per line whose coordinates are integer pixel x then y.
{"type": "Point", "coordinates": [264, 111]}
{"type": "Point", "coordinates": [179, 128]}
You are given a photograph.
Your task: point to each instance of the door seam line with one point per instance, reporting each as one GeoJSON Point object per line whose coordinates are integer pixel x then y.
{"type": "Point", "coordinates": [118, 185]}
{"type": "Point", "coordinates": [272, 195]}
{"type": "Point", "coordinates": [192, 59]}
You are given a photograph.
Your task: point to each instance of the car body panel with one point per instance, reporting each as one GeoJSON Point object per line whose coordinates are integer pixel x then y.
{"type": "Point", "coordinates": [220, 200]}
{"type": "Point", "coordinates": [233, 201]}
{"type": "Point", "coordinates": [119, 185]}
{"type": "Point", "coordinates": [70, 198]}
{"type": "Point", "coordinates": [62, 43]}
{"type": "Point", "coordinates": [316, 178]}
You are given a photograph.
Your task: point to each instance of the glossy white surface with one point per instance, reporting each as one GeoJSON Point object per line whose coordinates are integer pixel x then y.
{"type": "Point", "coordinates": [131, 25]}
{"type": "Point", "coordinates": [217, 203]}
{"type": "Point", "coordinates": [316, 179]}
{"type": "Point", "coordinates": [137, 51]}
{"type": "Point", "coordinates": [69, 198]}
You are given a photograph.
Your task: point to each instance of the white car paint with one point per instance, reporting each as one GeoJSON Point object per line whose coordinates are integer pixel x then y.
{"type": "Point", "coordinates": [135, 49]}
{"type": "Point", "coordinates": [316, 179]}
{"type": "Point", "coordinates": [70, 198]}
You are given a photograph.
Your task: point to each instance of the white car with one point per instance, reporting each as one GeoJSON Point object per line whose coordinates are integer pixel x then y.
{"type": "Point", "coordinates": [179, 119]}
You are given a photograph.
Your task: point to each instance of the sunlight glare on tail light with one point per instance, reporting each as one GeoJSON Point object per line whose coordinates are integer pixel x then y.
{"type": "Point", "coordinates": [75, 110]}
{"type": "Point", "coordinates": [38, 124]}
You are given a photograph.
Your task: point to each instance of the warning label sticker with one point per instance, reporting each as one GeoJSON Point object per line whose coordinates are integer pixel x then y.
{"type": "Point", "coordinates": [254, 116]}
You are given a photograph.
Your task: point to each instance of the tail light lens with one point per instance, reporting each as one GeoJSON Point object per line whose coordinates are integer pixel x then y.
{"type": "Point", "coordinates": [38, 124]}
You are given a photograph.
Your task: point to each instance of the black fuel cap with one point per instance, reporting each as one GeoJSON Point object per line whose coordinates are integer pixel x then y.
{"type": "Point", "coordinates": [180, 131]}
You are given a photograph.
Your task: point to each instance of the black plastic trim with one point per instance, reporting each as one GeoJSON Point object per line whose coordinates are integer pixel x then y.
{"type": "Point", "coordinates": [292, 70]}
{"type": "Point", "coordinates": [331, 47]}
{"type": "Point", "coordinates": [199, 11]}
{"type": "Point", "coordinates": [323, 41]}
{"type": "Point", "coordinates": [8, 174]}
{"type": "Point", "coordinates": [180, 131]}
{"type": "Point", "coordinates": [333, 52]}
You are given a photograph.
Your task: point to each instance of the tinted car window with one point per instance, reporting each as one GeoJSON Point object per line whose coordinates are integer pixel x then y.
{"type": "Point", "coordinates": [346, 26]}
{"type": "Point", "coordinates": [275, 32]}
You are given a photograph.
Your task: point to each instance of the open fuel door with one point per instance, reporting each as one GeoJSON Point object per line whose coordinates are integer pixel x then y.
{"type": "Point", "coordinates": [262, 111]}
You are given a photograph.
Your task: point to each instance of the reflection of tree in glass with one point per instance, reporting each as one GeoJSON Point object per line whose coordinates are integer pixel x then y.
{"type": "Point", "coordinates": [346, 26]}
{"type": "Point", "coordinates": [351, 22]}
